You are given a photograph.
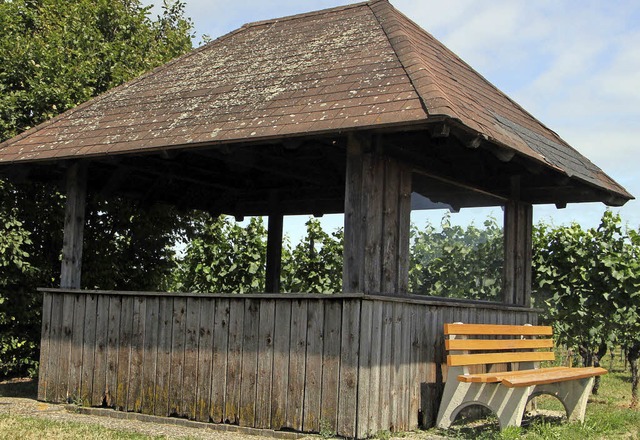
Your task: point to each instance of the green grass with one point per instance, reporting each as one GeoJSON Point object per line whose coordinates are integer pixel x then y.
{"type": "Point", "coordinates": [608, 416]}
{"type": "Point", "coordinates": [35, 428]}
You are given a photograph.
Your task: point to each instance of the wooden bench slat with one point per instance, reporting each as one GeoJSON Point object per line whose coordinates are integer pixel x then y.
{"type": "Point", "coordinates": [457, 360]}
{"type": "Point", "coordinates": [497, 344]}
{"type": "Point", "coordinates": [538, 377]}
{"type": "Point", "coordinates": [497, 377]}
{"type": "Point", "coordinates": [497, 329]}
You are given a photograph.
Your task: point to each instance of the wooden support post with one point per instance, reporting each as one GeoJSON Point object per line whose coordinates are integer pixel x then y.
{"type": "Point", "coordinates": [74, 226]}
{"type": "Point", "coordinates": [377, 220]}
{"type": "Point", "coordinates": [518, 229]}
{"type": "Point", "coordinates": [274, 253]}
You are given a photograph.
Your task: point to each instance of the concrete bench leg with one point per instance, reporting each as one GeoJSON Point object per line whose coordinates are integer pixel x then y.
{"type": "Point", "coordinates": [507, 403]}
{"type": "Point", "coordinates": [573, 394]}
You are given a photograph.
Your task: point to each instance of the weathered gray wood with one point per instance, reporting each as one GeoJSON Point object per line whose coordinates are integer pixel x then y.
{"type": "Point", "coordinates": [177, 356]}
{"type": "Point", "coordinates": [364, 371]}
{"type": "Point", "coordinates": [100, 362]}
{"type": "Point", "coordinates": [45, 374]}
{"type": "Point", "coordinates": [249, 380]}
{"type": "Point", "coordinates": [297, 365]}
{"type": "Point", "coordinates": [313, 369]}
{"type": "Point", "coordinates": [220, 360]}
{"type": "Point", "coordinates": [88, 349]}
{"type": "Point", "coordinates": [414, 377]}
{"type": "Point", "coordinates": [55, 338]}
{"type": "Point", "coordinates": [331, 363]}
{"type": "Point", "coordinates": [373, 391]}
{"type": "Point", "coordinates": [75, 365]}
{"type": "Point", "coordinates": [352, 273]}
{"type": "Point", "coordinates": [373, 206]}
{"type": "Point", "coordinates": [274, 253]}
{"type": "Point", "coordinates": [134, 399]}
{"type": "Point", "coordinates": [404, 229]}
{"type": "Point", "coordinates": [74, 225]}
{"type": "Point", "coordinates": [518, 220]}
{"type": "Point", "coordinates": [384, 405]}
{"type": "Point", "coordinates": [64, 357]}
{"type": "Point", "coordinates": [281, 346]}
{"type": "Point", "coordinates": [347, 400]}
{"type": "Point", "coordinates": [163, 363]}
{"type": "Point", "coordinates": [234, 365]}
{"type": "Point", "coordinates": [205, 358]}
{"type": "Point", "coordinates": [124, 352]}
{"type": "Point", "coordinates": [190, 381]}
{"type": "Point", "coordinates": [265, 363]}
{"type": "Point", "coordinates": [150, 355]}
{"type": "Point", "coordinates": [395, 377]}
{"type": "Point", "coordinates": [403, 423]}
{"type": "Point", "coordinates": [113, 344]}
{"type": "Point", "coordinates": [390, 225]}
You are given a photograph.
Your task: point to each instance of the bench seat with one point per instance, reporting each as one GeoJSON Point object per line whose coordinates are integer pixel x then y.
{"type": "Point", "coordinates": [521, 348]}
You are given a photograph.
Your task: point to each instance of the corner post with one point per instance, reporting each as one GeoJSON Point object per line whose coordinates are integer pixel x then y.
{"type": "Point", "coordinates": [74, 217]}
{"type": "Point", "coordinates": [518, 249]}
{"type": "Point", "coordinates": [274, 247]}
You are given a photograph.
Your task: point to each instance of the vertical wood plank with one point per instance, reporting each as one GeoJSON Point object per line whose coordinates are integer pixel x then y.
{"type": "Point", "coordinates": [405, 370]}
{"type": "Point", "coordinates": [124, 352]}
{"type": "Point", "coordinates": [73, 233]}
{"type": "Point", "coordinates": [64, 357]}
{"type": "Point", "coordinates": [177, 356]}
{"type": "Point", "coordinates": [113, 349]}
{"type": "Point", "coordinates": [384, 405]}
{"type": "Point", "coordinates": [163, 363]}
{"type": "Point", "coordinates": [205, 358]}
{"type": "Point", "coordinates": [88, 349]}
{"type": "Point", "coordinates": [248, 381]}
{"type": "Point", "coordinates": [390, 236]}
{"type": "Point", "coordinates": [55, 338]}
{"type": "Point", "coordinates": [373, 393]}
{"type": "Point", "coordinates": [75, 366]}
{"type": "Point", "coordinates": [373, 199]}
{"type": "Point", "coordinates": [404, 228]}
{"type": "Point", "coordinates": [331, 363]}
{"type": "Point", "coordinates": [134, 399]}
{"type": "Point", "coordinates": [414, 364]}
{"type": "Point", "coordinates": [189, 386]}
{"type": "Point", "coordinates": [44, 374]}
{"type": "Point", "coordinates": [395, 379]}
{"type": "Point", "coordinates": [510, 234]}
{"type": "Point", "coordinates": [150, 354]}
{"type": "Point", "coordinates": [265, 363]}
{"type": "Point", "coordinates": [234, 365]}
{"type": "Point", "coordinates": [297, 364]}
{"type": "Point", "coordinates": [313, 370]}
{"type": "Point", "coordinates": [352, 273]}
{"type": "Point", "coordinates": [220, 360]}
{"type": "Point", "coordinates": [100, 363]}
{"type": "Point", "coordinates": [347, 400]}
{"type": "Point", "coordinates": [281, 346]}
{"type": "Point", "coordinates": [274, 252]}
{"type": "Point", "coordinates": [364, 370]}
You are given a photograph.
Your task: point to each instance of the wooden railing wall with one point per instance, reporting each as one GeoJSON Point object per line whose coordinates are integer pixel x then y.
{"type": "Point", "coordinates": [353, 364]}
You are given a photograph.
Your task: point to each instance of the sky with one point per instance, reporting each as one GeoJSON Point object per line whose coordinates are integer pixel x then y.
{"type": "Point", "coordinates": [574, 65]}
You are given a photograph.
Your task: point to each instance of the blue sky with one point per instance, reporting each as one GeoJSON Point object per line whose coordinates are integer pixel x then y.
{"type": "Point", "coordinates": [574, 65]}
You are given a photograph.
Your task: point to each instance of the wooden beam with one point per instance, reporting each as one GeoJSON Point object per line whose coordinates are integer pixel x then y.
{"type": "Point", "coordinates": [274, 253]}
{"type": "Point", "coordinates": [75, 206]}
{"type": "Point", "coordinates": [518, 229]}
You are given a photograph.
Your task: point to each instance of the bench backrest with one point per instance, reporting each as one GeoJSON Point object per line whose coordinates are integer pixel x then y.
{"type": "Point", "coordinates": [508, 343]}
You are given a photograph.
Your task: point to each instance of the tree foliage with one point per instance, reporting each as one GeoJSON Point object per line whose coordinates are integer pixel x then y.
{"type": "Point", "coordinates": [55, 54]}
{"type": "Point", "coordinates": [457, 262]}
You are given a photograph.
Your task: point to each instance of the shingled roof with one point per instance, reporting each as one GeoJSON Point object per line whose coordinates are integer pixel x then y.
{"type": "Point", "coordinates": [362, 66]}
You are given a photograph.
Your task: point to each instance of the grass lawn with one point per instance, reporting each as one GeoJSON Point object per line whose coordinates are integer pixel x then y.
{"type": "Point", "coordinates": [608, 416]}
{"type": "Point", "coordinates": [33, 428]}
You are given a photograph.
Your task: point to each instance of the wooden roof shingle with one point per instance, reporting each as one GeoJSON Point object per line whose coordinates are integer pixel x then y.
{"type": "Point", "coordinates": [360, 66]}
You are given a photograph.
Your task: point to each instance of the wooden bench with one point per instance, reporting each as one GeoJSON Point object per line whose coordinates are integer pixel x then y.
{"type": "Point", "coordinates": [507, 393]}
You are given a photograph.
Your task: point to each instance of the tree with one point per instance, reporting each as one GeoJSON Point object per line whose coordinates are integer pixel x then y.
{"type": "Point", "coordinates": [457, 262]}
{"type": "Point", "coordinates": [55, 54]}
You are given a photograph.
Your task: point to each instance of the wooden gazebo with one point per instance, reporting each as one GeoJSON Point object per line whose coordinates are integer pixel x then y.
{"type": "Point", "coordinates": [347, 110]}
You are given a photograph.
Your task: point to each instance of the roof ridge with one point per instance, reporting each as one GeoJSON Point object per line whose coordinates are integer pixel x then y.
{"type": "Point", "coordinates": [308, 14]}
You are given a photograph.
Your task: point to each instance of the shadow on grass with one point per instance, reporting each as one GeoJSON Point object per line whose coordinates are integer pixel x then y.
{"type": "Point", "coordinates": [22, 387]}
